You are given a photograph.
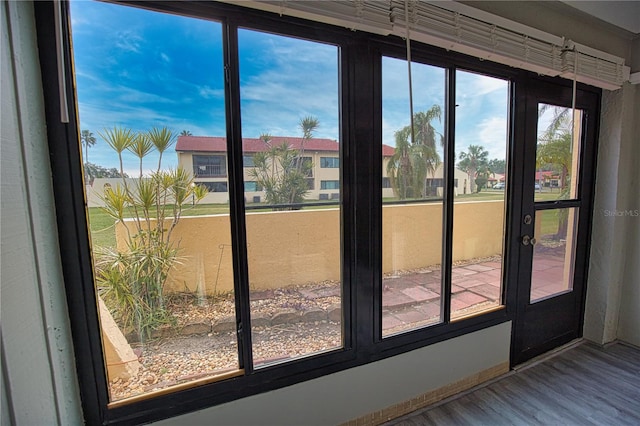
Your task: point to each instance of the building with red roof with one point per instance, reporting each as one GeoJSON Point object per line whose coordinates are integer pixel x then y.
{"type": "Point", "coordinates": [206, 157]}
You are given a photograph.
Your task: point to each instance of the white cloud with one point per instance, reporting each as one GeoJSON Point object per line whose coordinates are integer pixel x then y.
{"type": "Point", "coordinates": [128, 41]}
{"type": "Point", "coordinates": [491, 134]}
{"type": "Point", "coordinates": [209, 93]}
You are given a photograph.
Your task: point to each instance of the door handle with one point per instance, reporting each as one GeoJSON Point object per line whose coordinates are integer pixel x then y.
{"type": "Point", "coordinates": [526, 240]}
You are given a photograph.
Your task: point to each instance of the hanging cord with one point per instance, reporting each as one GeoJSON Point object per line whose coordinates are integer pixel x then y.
{"type": "Point", "coordinates": [406, 18]}
{"type": "Point", "coordinates": [573, 95]}
{"type": "Point", "coordinates": [62, 85]}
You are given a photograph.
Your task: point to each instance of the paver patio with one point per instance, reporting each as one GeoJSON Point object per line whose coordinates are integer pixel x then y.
{"type": "Point", "coordinates": [413, 300]}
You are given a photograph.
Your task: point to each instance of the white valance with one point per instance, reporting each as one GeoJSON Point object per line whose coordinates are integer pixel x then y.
{"type": "Point", "coordinates": [461, 28]}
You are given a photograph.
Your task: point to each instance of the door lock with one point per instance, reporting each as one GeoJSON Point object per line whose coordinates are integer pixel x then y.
{"type": "Point", "coordinates": [527, 219]}
{"type": "Point", "coordinates": [526, 240]}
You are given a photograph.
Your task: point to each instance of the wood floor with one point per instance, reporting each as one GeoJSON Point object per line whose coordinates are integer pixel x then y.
{"type": "Point", "coordinates": [584, 385]}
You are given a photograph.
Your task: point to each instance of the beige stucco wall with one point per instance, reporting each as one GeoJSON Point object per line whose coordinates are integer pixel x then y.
{"type": "Point", "coordinates": [185, 160]}
{"type": "Point", "coordinates": [298, 247]}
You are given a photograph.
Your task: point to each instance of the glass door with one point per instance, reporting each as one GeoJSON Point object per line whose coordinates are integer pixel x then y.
{"type": "Point", "coordinates": [557, 160]}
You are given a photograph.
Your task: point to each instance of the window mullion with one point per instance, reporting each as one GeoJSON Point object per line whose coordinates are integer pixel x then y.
{"type": "Point", "coordinates": [449, 169]}
{"type": "Point", "coordinates": [236, 195]}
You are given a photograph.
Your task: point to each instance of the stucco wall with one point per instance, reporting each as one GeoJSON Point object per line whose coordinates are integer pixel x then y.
{"type": "Point", "coordinates": [629, 320]}
{"type": "Point", "coordinates": [611, 276]}
{"type": "Point", "coordinates": [298, 247]}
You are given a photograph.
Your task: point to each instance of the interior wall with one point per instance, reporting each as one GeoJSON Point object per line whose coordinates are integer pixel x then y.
{"type": "Point", "coordinates": [38, 372]}
{"type": "Point", "coordinates": [629, 319]}
{"type": "Point", "coordinates": [352, 393]}
{"type": "Point", "coordinates": [616, 198]}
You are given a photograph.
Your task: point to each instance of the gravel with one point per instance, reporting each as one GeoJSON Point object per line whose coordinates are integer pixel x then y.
{"type": "Point", "coordinates": [176, 359]}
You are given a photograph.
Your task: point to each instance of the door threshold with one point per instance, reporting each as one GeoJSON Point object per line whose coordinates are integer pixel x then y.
{"type": "Point", "coordinates": [550, 354]}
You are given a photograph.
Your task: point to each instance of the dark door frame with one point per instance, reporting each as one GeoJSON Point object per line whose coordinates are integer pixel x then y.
{"type": "Point", "coordinates": [562, 316]}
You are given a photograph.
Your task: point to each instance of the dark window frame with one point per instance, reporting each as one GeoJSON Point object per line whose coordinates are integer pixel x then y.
{"type": "Point", "coordinates": [215, 186]}
{"type": "Point", "coordinates": [247, 160]}
{"type": "Point", "coordinates": [329, 162]}
{"type": "Point", "coordinates": [323, 184]}
{"type": "Point", "coordinates": [209, 169]}
{"type": "Point", "coordinates": [360, 82]}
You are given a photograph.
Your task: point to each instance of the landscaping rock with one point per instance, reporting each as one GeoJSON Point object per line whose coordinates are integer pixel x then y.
{"type": "Point", "coordinates": [260, 321]}
{"type": "Point", "coordinates": [225, 324]}
{"type": "Point", "coordinates": [288, 316]}
{"type": "Point", "coordinates": [196, 328]}
{"type": "Point", "coordinates": [159, 333]}
{"type": "Point", "coordinates": [335, 313]}
{"type": "Point", "coordinates": [314, 315]}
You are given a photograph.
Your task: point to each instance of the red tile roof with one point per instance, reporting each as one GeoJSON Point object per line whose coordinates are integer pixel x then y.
{"type": "Point", "coordinates": [545, 175]}
{"type": "Point", "coordinates": [219, 144]}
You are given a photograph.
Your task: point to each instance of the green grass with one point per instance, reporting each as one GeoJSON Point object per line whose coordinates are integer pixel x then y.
{"type": "Point", "coordinates": [103, 233]}
{"type": "Point", "coordinates": [550, 222]}
{"type": "Point", "coordinates": [103, 230]}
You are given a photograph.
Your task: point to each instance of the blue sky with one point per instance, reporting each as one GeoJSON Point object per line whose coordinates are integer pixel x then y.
{"type": "Point", "coordinates": [140, 69]}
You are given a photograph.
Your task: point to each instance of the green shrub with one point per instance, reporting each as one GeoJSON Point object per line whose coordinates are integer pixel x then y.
{"type": "Point", "coordinates": [131, 279]}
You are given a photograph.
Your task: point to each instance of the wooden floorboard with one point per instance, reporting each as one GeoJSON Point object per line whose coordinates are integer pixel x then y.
{"type": "Point", "coordinates": [583, 385]}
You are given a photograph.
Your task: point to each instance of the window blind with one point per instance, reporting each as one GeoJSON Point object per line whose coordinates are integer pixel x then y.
{"type": "Point", "coordinates": [461, 28]}
{"type": "Point", "coordinates": [369, 16]}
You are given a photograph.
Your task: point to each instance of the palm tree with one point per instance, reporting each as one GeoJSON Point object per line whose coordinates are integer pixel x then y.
{"type": "Point", "coordinates": [162, 139]}
{"type": "Point", "coordinates": [87, 139]}
{"type": "Point", "coordinates": [474, 161]}
{"type": "Point", "coordinates": [413, 161]}
{"type": "Point", "coordinates": [119, 139]}
{"type": "Point", "coordinates": [186, 133]}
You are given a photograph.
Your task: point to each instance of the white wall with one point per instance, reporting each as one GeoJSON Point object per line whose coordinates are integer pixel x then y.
{"type": "Point", "coordinates": [38, 371]}
{"type": "Point", "coordinates": [629, 320]}
{"type": "Point", "coordinates": [347, 395]}
{"type": "Point", "coordinates": [613, 252]}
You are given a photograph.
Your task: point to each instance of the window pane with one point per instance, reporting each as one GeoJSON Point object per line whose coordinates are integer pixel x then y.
{"type": "Point", "coordinates": [412, 203]}
{"type": "Point", "coordinates": [165, 293]}
{"type": "Point", "coordinates": [557, 153]}
{"type": "Point", "coordinates": [289, 102]}
{"type": "Point", "coordinates": [553, 254]}
{"type": "Point", "coordinates": [482, 114]}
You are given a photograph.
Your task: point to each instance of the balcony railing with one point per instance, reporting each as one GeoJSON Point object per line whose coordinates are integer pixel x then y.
{"type": "Point", "coordinates": [216, 170]}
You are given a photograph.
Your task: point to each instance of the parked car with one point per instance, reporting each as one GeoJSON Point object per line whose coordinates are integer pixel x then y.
{"type": "Point", "coordinates": [499, 185]}
{"type": "Point", "coordinates": [537, 187]}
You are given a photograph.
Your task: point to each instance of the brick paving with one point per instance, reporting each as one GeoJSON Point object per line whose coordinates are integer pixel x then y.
{"type": "Point", "coordinates": [413, 299]}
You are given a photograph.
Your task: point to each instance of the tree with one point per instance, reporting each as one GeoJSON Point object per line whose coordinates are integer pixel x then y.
{"type": "Point", "coordinates": [497, 166]}
{"type": "Point", "coordinates": [554, 146]}
{"type": "Point", "coordinates": [554, 152]}
{"type": "Point", "coordinates": [414, 159]}
{"type": "Point", "coordinates": [96, 171]}
{"type": "Point", "coordinates": [87, 139]}
{"type": "Point", "coordinates": [131, 278]}
{"type": "Point", "coordinates": [474, 161]}
{"type": "Point", "coordinates": [186, 133]}
{"type": "Point", "coordinates": [281, 170]}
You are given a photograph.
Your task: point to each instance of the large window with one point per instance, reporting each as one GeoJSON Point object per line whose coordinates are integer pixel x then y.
{"type": "Point", "coordinates": [330, 184]}
{"type": "Point", "coordinates": [329, 162]}
{"type": "Point", "coordinates": [157, 283]}
{"type": "Point", "coordinates": [482, 114]}
{"type": "Point", "coordinates": [228, 270]}
{"type": "Point", "coordinates": [412, 210]}
{"type": "Point", "coordinates": [294, 263]}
